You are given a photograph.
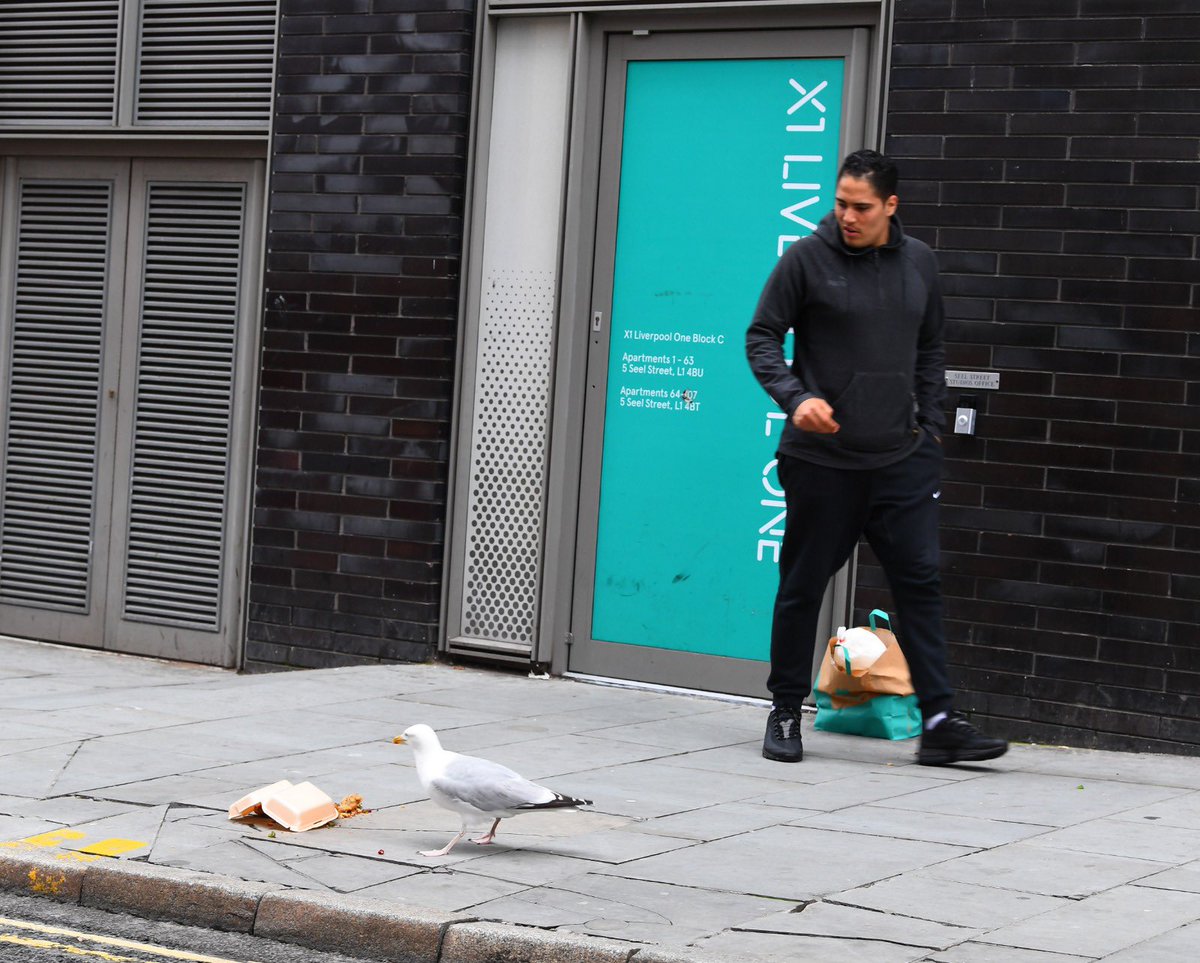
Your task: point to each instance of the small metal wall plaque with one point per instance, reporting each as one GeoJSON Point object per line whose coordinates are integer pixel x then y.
{"type": "Point", "coordinates": [973, 379]}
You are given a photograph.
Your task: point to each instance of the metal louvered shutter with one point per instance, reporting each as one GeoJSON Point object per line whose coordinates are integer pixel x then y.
{"type": "Point", "coordinates": [51, 436]}
{"type": "Point", "coordinates": [58, 61]}
{"type": "Point", "coordinates": [184, 404]}
{"type": "Point", "coordinates": [206, 62]}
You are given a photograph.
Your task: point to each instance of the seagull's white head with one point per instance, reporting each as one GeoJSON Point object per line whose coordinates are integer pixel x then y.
{"type": "Point", "coordinates": [420, 737]}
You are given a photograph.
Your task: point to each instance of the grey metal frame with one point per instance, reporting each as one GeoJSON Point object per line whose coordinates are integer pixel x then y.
{"type": "Point", "coordinates": [458, 497]}
{"type": "Point", "coordinates": [569, 531]}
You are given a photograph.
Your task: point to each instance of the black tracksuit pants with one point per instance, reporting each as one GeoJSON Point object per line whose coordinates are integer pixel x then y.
{"type": "Point", "coordinates": [828, 510]}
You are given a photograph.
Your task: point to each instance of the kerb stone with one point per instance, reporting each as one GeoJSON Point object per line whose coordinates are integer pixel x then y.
{"type": "Point", "coordinates": [354, 926]}
{"type": "Point", "coordinates": [34, 874]}
{"type": "Point", "coordinates": [501, 943]}
{"type": "Point", "coordinates": [176, 895]}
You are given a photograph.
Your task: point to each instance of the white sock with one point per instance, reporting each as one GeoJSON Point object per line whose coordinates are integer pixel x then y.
{"type": "Point", "coordinates": [934, 720]}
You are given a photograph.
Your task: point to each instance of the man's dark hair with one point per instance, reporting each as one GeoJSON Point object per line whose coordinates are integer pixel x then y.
{"type": "Point", "coordinates": [877, 169]}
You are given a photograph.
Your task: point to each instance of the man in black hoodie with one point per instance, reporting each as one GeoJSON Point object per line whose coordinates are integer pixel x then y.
{"type": "Point", "coordinates": [861, 452]}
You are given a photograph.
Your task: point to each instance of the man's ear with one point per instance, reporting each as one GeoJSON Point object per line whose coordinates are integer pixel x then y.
{"type": "Point", "coordinates": [890, 205]}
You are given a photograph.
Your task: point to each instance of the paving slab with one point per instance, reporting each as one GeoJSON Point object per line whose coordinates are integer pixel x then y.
{"type": "Point", "coordinates": [848, 922]}
{"type": "Point", "coordinates": [990, 953]}
{"type": "Point", "coordinates": [107, 719]}
{"type": "Point", "coordinates": [1028, 868]}
{"type": "Point", "coordinates": [1148, 768]}
{"type": "Point", "coordinates": [724, 727]}
{"type": "Point", "coordinates": [854, 790]}
{"type": "Point", "coordinates": [237, 859]}
{"type": "Point", "coordinates": [393, 715]}
{"type": "Point", "coordinates": [745, 759]}
{"type": "Point", "coordinates": [511, 698]}
{"type": "Point", "coordinates": [530, 866]}
{"type": "Point", "coordinates": [14, 829]}
{"type": "Point", "coordinates": [970, 831]}
{"type": "Point", "coordinates": [97, 764]}
{"type": "Point", "coordinates": [334, 871]}
{"type": "Point", "coordinates": [1185, 878]}
{"type": "Point", "coordinates": [193, 789]}
{"type": "Point", "coordinates": [754, 947]}
{"type": "Point", "coordinates": [35, 773]}
{"type": "Point", "coordinates": [789, 862]}
{"type": "Point", "coordinates": [707, 823]}
{"type": "Point", "coordinates": [68, 810]}
{"type": "Point", "coordinates": [633, 910]}
{"type": "Point", "coordinates": [1034, 798]}
{"type": "Point", "coordinates": [1121, 837]}
{"type": "Point", "coordinates": [1182, 811]}
{"type": "Point", "coordinates": [921, 896]}
{"type": "Point", "coordinates": [1106, 923]}
{"type": "Point", "coordinates": [124, 835]}
{"type": "Point", "coordinates": [648, 789]}
{"type": "Point", "coordinates": [441, 890]}
{"type": "Point", "coordinates": [1177, 946]}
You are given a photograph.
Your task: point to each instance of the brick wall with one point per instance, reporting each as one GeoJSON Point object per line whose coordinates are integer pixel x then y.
{"type": "Point", "coordinates": [365, 232]}
{"type": "Point", "coordinates": [1049, 152]}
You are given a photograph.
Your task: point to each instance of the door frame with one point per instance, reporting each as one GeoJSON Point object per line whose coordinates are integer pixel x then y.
{"type": "Point", "coordinates": [570, 520]}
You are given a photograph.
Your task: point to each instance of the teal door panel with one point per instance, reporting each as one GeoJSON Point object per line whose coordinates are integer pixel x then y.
{"type": "Point", "coordinates": [723, 164]}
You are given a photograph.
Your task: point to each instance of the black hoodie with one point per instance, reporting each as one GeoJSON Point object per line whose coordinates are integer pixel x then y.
{"type": "Point", "coordinates": [868, 339]}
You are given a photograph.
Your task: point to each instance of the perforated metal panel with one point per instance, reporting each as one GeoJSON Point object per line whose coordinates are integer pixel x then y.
{"type": "Point", "coordinates": [210, 61]}
{"type": "Point", "coordinates": [58, 61]}
{"type": "Point", "coordinates": [508, 456]}
{"type": "Point", "coordinates": [52, 416]}
{"type": "Point", "coordinates": [183, 408]}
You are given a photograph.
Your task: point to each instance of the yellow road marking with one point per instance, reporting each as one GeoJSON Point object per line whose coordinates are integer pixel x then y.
{"type": "Point", "coordinates": [111, 847]}
{"type": "Point", "coordinates": [84, 854]}
{"type": "Point", "coordinates": [114, 941]}
{"type": "Point", "coordinates": [65, 948]}
{"type": "Point", "coordinates": [44, 840]}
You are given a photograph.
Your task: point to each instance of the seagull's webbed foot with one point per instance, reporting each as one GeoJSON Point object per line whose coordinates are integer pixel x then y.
{"type": "Point", "coordinates": [445, 849]}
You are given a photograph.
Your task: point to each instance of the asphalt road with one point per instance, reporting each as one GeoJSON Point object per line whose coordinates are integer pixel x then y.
{"type": "Point", "coordinates": [34, 930]}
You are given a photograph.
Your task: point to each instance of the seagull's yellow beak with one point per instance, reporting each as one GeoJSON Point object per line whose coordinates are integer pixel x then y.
{"type": "Point", "coordinates": [400, 741]}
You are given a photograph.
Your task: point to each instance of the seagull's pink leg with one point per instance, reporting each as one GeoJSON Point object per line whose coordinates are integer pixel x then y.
{"type": "Point", "coordinates": [488, 836]}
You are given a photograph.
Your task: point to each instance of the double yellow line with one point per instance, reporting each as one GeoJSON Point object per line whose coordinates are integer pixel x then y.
{"type": "Point", "coordinates": [116, 943]}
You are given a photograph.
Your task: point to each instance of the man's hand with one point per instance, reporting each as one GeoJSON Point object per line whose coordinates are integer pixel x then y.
{"type": "Point", "coordinates": [815, 415]}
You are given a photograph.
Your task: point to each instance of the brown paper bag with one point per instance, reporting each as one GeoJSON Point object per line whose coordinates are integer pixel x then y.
{"type": "Point", "coordinates": [888, 675]}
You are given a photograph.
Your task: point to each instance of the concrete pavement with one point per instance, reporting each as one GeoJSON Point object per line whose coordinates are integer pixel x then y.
{"type": "Point", "coordinates": [116, 773]}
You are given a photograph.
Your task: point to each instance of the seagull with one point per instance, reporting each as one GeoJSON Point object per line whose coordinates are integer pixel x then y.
{"type": "Point", "coordinates": [474, 787]}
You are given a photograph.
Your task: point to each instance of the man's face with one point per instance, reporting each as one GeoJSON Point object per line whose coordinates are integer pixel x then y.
{"type": "Point", "coordinates": [862, 215]}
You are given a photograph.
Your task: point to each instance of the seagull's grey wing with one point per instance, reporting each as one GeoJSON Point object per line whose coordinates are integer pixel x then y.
{"type": "Point", "coordinates": [488, 786]}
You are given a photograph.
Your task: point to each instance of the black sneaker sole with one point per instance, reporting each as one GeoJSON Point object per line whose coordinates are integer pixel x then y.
{"type": "Point", "coordinates": [947, 757]}
{"type": "Point", "coordinates": [776, 757]}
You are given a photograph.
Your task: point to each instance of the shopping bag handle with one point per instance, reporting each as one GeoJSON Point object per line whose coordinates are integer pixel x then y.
{"type": "Point", "coordinates": [879, 613]}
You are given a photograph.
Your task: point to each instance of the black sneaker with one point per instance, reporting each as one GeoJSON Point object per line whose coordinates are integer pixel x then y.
{"type": "Point", "coordinates": [782, 741]}
{"type": "Point", "coordinates": [956, 740]}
